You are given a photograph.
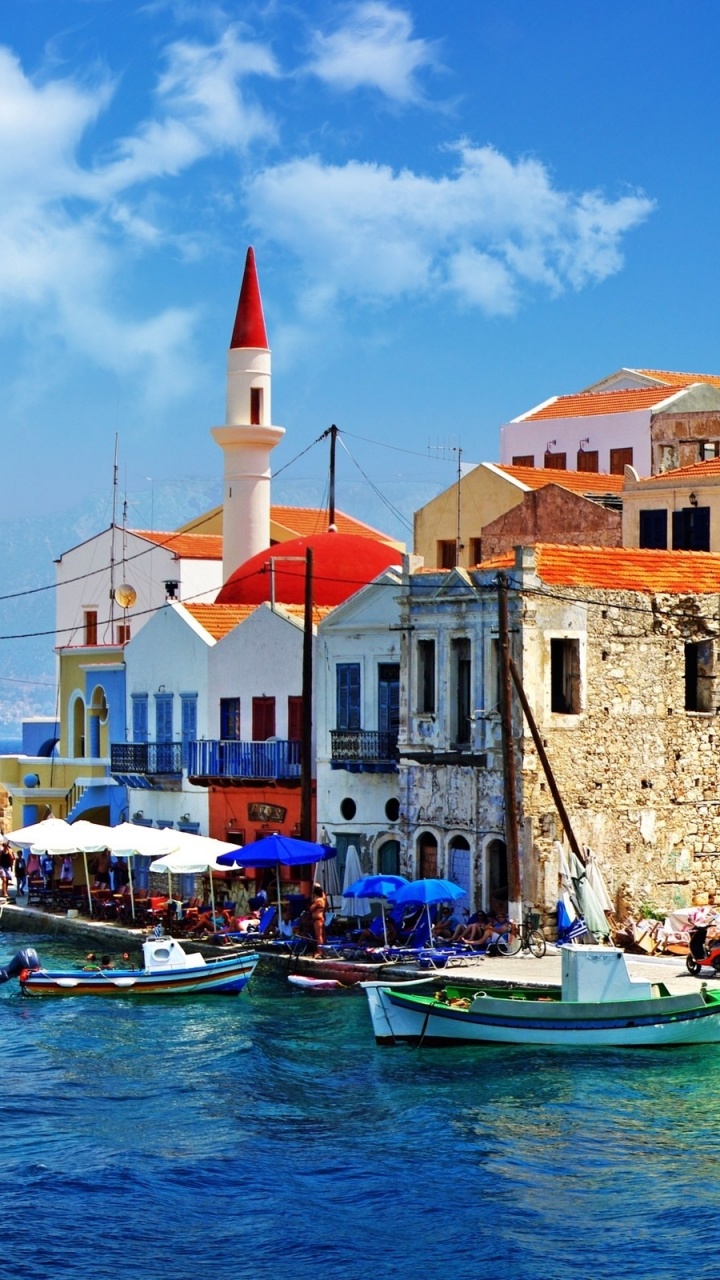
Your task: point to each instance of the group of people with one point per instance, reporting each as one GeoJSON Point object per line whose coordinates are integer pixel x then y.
{"type": "Point", "coordinates": [482, 929]}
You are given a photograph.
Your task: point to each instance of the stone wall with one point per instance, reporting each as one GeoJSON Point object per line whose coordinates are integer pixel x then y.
{"type": "Point", "coordinates": [552, 514]}
{"type": "Point", "coordinates": [676, 437]}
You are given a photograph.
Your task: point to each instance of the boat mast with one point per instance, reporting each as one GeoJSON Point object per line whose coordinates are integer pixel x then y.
{"type": "Point", "coordinates": [508, 752]}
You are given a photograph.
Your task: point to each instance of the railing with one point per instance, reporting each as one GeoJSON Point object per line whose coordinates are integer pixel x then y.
{"type": "Point", "coordinates": [146, 757]}
{"type": "Point", "coordinates": [363, 745]}
{"type": "Point", "coordinates": [278, 758]}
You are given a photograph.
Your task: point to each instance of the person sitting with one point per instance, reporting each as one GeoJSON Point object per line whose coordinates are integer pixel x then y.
{"type": "Point", "coordinates": [447, 925]}
{"type": "Point", "coordinates": [375, 935]}
{"type": "Point", "coordinates": [497, 927]}
{"type": "Point", "coordinates": [473, 928]}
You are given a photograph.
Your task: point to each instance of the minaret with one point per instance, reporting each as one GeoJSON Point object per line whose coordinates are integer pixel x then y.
{"type": "Point", "coordinates": [247, 438]}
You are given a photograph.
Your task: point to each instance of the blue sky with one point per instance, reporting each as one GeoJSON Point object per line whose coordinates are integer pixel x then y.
{"type": "Point", "coordinates": [458, 210]}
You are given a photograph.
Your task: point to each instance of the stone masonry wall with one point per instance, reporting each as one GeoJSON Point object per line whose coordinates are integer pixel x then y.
{"type": "Point", "coordinates": [552, 514]}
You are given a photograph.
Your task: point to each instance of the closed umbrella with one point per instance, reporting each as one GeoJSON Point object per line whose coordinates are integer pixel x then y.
{"type": "Point", "coordinates": [353, 872]}
{"type": "Point", "coordinates": [427, 893]}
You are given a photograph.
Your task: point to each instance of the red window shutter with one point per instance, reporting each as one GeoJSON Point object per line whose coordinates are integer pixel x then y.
{"type": "Point", "coordinates": [263, 714]}
{"type": "Point", "coordinates": [294, 719]}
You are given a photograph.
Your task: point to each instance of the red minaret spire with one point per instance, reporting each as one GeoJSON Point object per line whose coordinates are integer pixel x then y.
{"type": "Point", "coordinates": [249, 328]}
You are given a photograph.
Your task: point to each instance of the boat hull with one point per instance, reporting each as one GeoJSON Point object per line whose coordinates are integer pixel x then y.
{"type": "Point", "coordinates": [216, 977]}
{"type": "Point", "coordinates": [490, 1019]}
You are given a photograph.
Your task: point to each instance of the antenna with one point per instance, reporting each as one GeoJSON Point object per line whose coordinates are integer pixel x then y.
{"type": "Point", "coordinates": [445, 452]}
{"type": "Point", "coordinates": [112, 541]}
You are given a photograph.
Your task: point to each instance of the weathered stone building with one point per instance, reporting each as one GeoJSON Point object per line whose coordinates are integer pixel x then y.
{"type": "Point", "coordinates": [617, 651]}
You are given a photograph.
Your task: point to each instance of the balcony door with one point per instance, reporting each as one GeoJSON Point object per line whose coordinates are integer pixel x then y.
{"type": "Point", "coordinates": [263, 719]}
{"type": "Point", "coordinates": [389, 697]}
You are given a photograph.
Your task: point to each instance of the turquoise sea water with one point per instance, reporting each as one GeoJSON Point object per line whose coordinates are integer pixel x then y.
{"type": "Point", "coordinates": [267, 1136]}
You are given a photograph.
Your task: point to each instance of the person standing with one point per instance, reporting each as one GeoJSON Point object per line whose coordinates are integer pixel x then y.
{"type": "Point", "coordinates": [318, 907]}
{"type": "Point", "coordinates": [6, 866]}
{"type": "Point", "coordinates": [20, 873]}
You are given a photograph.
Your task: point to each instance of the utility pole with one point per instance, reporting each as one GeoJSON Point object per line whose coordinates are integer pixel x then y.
{"type": "Point", "coordinates": [331, 497]}
{"type": "Point", "coordinates": [306, 761]}
{"type": "Point", "coordinates": [508, 753]}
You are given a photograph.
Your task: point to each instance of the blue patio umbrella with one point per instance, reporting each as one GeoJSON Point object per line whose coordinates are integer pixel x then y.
{"type": "Point", "coordinates": [380, 886]}
{"type": "Point", "coordinates": [426, 893]}
{"type": "Point", "coordinates": [276, 851]}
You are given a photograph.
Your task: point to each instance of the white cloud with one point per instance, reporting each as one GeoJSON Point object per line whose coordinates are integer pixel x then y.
{"type": "Point", "coordinates": [488, 232]}
{"type": "Point", "coordinates": [374, 48]}
{"type": "Point", "coordinates": [68, 230]}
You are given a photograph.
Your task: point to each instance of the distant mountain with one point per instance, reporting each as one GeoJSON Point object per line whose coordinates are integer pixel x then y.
{"type": "Point", "coordinates": [30, 544]}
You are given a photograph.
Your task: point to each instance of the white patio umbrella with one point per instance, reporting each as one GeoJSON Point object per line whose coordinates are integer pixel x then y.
{"type": "Point", "coordinates": [354, 872]}
{"type": "Point", "coordinates": [77, 837]}
{"type": "Point", "coordinates": [188, 854]}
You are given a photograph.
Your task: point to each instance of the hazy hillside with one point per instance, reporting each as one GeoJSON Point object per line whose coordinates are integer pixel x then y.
{"type": "Point", "coordinates": [29, 544]}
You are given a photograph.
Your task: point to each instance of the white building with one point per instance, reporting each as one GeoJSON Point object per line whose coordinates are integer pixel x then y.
{"type": "Point", "coordinates": [357, 707]}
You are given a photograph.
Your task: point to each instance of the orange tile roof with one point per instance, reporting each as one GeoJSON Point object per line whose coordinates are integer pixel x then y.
{"type": "Point", "coordinates": [590, 403]}
{"type": "Point", "coordinates": [187, 546]}
{"type": "Point", "coordinates": [577, 481]}
{"type": "Point", "coordinates": [319, 612]}
{"type": "Point", "coordinates": [680, 379]}
{"type": "Point", "coordinates": [218, 619]}
{"type": "Point", "coordinates": [305, 521]}
{"type": "Point", "coordinates": [696, 471]}
{"type": "Point", "coordinates": [622, 569]}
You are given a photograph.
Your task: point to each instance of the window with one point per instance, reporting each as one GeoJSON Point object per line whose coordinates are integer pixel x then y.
{"type": "Point", "coordinates": [460, 658]}
{"type": "Point", "coordinates": [653, 529]}
{"type": "Point", "coordinates": [348, 808]}
{"type": "Point", "coordinates": [230, 719]}
{"type": "Point", "coordinates": [263, 719]}
{"type": "Point", "coordinates": [188, 721]}
{"type": "Point", "coordinates": [389, 858]}
{"type": "Point", "coordinates": [524, 460]}
{"type": "Point", "coordinates": [619, 460]}
{"type": "Point", "coordinates": [475, 550]}
{"type": "Point", "coordinates": [123, 632]}
{"type": "Point", "coordinates": [426, 677]}
{"type": "Point", "coordinates": [256, 399]}
{"type": "Point", "coordinates": [699, 676]}
{"type": "Point", "coordinates": [388, 697]}
{"type": "Point", "coordinates": [295, 706]}
{"type": "Point", "coordinates": [163, 717]}
{"type": "Point", "coordinates": [668, 457]}
{"type": "Point", "coordinates": [347, 677]}
{"type": "Point", "coordinates": [691, 529]}
{"type": "Point", "coordinates": [556, 461]}
{"type": "Point", "coordinates": [140, 717]}
{"type": "Point", "coordinates": [709, 449]}
{"type": "Point", "coordinates": [90, 624]}
{"type": "Point", "coordinates": [392, 809]}
{"type": "Point", "coordinates": [446, 553]}
{"type": "Point", "coordinates": [565, 677]}
{"type": "Point", "coordinates": [427, 846]}
{"type": "Point", "coordinates": [588, 460]}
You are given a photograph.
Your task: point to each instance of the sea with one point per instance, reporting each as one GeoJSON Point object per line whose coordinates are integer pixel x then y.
{"type": "Point", "coordinates": [267, 1136]}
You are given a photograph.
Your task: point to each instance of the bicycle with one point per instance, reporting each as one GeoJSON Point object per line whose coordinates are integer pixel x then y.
{"type": "Point", "coordinates": [529, 937]}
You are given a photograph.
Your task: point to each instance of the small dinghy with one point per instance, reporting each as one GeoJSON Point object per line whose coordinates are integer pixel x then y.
{"type": "Point", "coordinates": [316, 984]}
{"type": "Point", "coordinates": [168, 971]}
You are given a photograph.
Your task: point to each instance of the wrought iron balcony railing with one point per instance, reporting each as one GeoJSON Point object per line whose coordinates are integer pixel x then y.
{"type": "Point", "coordinates": [152, 758]}
{"type": "Point", "coordinates": [364, 746]}
{"type": "Point", "coordinates": [275, 759]}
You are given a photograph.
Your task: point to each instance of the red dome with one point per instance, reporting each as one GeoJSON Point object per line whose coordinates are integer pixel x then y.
{"type": "Point", "coordinates": [342, 564]}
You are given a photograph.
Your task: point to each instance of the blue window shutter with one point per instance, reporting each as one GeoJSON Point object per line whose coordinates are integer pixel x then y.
{"type": "Point", "coordinates": [188, 722]}
{"type": "Point", "coordinates": [140, 717]}
{"type": "Point", "coordinates": [163, 717]}
{"type": "Point", "coordinates": [348, 695]}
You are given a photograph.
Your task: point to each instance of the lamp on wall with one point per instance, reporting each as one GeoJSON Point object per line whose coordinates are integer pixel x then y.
{"type": "Point", "coordinates": [692, 499]}
{"type": "Point", "coordinates": [549, 445]}
{"type": "Point", "coordinates": [138, 814]}
{"type": "Point", "coordinates": [184, 817]}
{"type": "Point", "coordinates": [583, 443]}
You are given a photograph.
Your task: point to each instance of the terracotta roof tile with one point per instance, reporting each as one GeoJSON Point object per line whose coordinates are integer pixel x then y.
{"type": "Point", "coordinates": [218, 619]}
{"type": "Point", "coordinates": [680, 379]}
{"type": "Point", "coordinates": [305, 521]}
{"type": "Point", "coordinates": [590, 403]}
{"type": "Point", "coordinates": [629, 569]}
{"type": "Point", "coordinates": [577, 481]}
{"type": "Point", "coordinates": [696, 471]}
{"type": "Point", "coordinates": [187, 546]}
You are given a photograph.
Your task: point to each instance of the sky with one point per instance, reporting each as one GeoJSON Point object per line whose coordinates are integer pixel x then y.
{"type": "Point", "coordinates": [458, 210]}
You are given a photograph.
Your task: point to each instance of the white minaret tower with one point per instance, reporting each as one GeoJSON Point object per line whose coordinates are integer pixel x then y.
{"type": "Point", "coordinates": [248, 438]}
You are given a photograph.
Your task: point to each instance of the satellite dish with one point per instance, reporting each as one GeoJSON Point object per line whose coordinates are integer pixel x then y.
{"type": "Point", "coordinates": [125, 595]}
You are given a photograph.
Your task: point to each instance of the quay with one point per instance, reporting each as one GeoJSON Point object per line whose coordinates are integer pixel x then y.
{"type": "Point", "coordinates": [495, 971]}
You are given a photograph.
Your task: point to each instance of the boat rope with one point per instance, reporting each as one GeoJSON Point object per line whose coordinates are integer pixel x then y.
{"type": "Point", "coordinates": [424, 1029]}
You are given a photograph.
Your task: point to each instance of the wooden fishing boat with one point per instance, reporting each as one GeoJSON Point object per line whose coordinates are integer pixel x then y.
{"type": "Point", "coordinates": [167, 971]}
{"type": "Point", "coordinates": [598, 1005]}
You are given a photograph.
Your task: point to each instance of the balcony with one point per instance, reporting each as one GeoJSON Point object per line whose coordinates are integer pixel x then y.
{"type": "Point", "coordinates": [147, 759]}
{"type": "Point", "coordinates": [277, 760]}
{"type": "Point", "coordinates": [364, 750]}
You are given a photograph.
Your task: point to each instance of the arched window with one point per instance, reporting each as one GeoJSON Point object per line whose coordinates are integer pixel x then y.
{"type": "Point", "coordinates": [427, 851]}
{"type": "Point", "coordinates": [388, 861]}
{"type": "Point", "coordinates": [497, 870]}
{"type": "Point", "coordinates": [77, 745]}
{"type": "Point", "coordinates": [460, 867]}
